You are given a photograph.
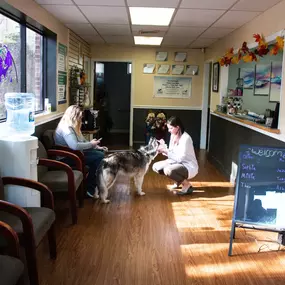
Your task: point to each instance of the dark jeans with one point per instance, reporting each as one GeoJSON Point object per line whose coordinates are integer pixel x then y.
{"type": "Point", "coordinates": [93, 158]}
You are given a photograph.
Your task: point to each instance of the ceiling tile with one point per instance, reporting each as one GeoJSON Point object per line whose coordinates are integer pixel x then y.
{"type": "Point", "coordinates": [66, 14]}
{"type": "Point", "coordinates": [93, 39]}
{"type": "Point", "coordinates": [255, 5]}
{"type": "Point", "coordinates": [82, 29]}
{"type": "Point", "coordinates": [235, 19]}
{"type": "Point", "coordinates": [207, 4]}
{"type": "Point", "coordinates": [105, 15]}
{"type": "Point", "coordinates": [60, 2]}
{"type": "Point", "coordinates": [199, 18]}
{"type": "Point", "coordinates": [112, 30]}
{"type": "Point", "coordinates": [201, 43]}
{"type": "Point", "coordinates": [101, 2]}
{"type": "Point", "coordinates": [158, 31]}
{"type": "Point", "coordinates": [174, 45]}
{"type": "Point", "coordinates": [119, 39]}
{"type": "Point", "coordinates": [177, 40]}
{"type": "Point", "coordinates": [216, 33]}
{"type": "Point", "coordinates": [185, 31]}
{"type": "Point", "coordinates": [153, 3]}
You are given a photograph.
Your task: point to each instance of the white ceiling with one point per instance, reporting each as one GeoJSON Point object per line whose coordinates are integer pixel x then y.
{"type": "Point", "coordinates": [195, 23]}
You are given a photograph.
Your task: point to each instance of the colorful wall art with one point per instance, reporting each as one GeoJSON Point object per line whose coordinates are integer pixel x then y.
{"type": "Point", "coordinates": [247, 74]}
{"type": "Point", "coordinates": [262, 79]}
{"type": "Point", "coordinates": [276, 73]}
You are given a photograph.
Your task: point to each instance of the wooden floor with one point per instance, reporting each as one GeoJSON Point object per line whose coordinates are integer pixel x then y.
{"type": "Point", "coordinates": [161, 239]}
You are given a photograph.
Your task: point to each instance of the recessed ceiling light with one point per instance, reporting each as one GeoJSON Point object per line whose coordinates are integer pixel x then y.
{"type": "Point", "coordinates": [153, 41]}
{"type": "Point", "coordinates": [151, 16]}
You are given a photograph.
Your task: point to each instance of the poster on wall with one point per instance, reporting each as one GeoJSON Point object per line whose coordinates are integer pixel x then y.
{"type": "Point", "coordinates": [61, 87]}
{"type": "Point", "coordinates": [61, 57]}
{"type": "Point", "coordinates": [172, 87]}
{"type": "Point", "coordinates": [62, 74]}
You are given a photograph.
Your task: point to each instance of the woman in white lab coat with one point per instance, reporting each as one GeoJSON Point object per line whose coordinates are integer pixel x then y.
{"type": "Point", "coordinates": [181, 163]}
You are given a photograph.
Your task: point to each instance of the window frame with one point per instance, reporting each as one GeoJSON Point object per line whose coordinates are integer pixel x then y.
{"type": "Point", "coordinates": [48, 39]}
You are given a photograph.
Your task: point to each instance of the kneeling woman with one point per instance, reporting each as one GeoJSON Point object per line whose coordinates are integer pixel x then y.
{"type": "Point", "coordinates": [181, 163]}
{"type": "Point", "coordinates": [68, 133]}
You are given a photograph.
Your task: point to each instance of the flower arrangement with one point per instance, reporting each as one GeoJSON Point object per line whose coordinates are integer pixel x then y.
{"type": "Point", "coordinates": [155, 125]}
{"type": "Point", "coordinates": [245, 54]}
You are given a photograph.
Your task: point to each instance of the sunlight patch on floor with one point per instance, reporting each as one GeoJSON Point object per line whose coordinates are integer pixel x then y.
{"type": "Point", "coordinates": [191, 214]}
{"type": "Point", "coordinates": [204, 260]}
{"type": "Point", "coordinates": [211, 184]}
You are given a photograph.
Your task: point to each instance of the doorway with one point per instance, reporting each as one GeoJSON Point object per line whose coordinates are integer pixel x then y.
{"type": "Point", "coordinates": [112, 96]}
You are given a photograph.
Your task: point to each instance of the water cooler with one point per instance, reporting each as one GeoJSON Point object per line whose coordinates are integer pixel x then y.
{"type": "Point", "coordinates": [18, 149]}
{"type": "Point", "coordinates": [19, 159]}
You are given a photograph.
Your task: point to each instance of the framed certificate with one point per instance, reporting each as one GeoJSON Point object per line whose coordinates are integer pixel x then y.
{"type": "Point", "coordinates": [192, 69]}
{"type": "Point", "coordinates": [149, 68]}
{"type": "Point", "coordinates": [177, 69]}
{"type": "Point", "coordinates": [161, 56]}
{"type": "Point", "coordinates": [163, 68]}
{"type": "Point", "coordinates": [180, 56]}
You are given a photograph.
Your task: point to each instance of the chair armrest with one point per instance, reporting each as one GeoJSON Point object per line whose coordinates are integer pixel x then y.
{"type": "Point", "coordinates": [47, 196]}
{"type": "Point", "coordinates": [79, 153]}
{"type": "Point", "coordinates": [12, 239]}
{"type": "Point", "coordinates": [63, 166]}
{"type": "Point", "coordinates": [54, 152]}
{"type": "Point", "coordinates": [23, 215]}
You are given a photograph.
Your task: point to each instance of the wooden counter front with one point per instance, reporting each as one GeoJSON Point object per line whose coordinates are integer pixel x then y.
{"type": "Point", "coordinates": [249, 123]}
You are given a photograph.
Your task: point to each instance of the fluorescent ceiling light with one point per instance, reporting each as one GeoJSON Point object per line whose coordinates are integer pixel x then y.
{"type": "Point", "coordinates": [151, 16]}
{"type": "Point", "coordinates": [153, 41]}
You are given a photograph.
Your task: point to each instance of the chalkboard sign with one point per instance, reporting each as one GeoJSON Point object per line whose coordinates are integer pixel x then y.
{"type": "Point", "coordinates": [260, 187]}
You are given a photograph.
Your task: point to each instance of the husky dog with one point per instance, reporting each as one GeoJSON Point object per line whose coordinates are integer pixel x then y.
{"type": "Point", "coordinates": [129, 163]}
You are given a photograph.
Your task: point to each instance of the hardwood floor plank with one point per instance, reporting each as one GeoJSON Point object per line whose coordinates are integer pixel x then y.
{"type": "Point", "coordinates": [161, 239]}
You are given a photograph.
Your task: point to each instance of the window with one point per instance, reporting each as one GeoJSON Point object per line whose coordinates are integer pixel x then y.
{"type": "Point", "coordinates": [10, 60]}
{"type": "Point", "coordinates": [34, 66]}
{"type": "Point", "coordinates": [21, 61]}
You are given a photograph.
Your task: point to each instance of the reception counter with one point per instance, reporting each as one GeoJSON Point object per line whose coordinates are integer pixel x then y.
{"type": "Point", "coordinates": [227, 133]}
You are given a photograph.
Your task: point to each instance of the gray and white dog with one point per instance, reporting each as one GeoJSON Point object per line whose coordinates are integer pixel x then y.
{"type": "Point", "coordinates": [128, 163]}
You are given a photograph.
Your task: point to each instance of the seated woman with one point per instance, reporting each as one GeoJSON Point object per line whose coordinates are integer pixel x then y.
{"type": "Point", "coordinates": [181, 163]}
{"type": "Point", "coordinates": [68, 133]}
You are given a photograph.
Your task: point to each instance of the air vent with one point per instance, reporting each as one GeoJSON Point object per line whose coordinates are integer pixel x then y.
{"type": "Point", "coordinates": [144, 32]}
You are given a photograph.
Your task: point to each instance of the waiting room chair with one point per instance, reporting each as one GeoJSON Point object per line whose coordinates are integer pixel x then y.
{"type": "Point", "coordinates": [60, 177]}
{"type": "Point", "coordinates": [30, 223]}
{"type": "Point", "coordinates": [49, 143]}
{"type": "Point", "coordinates": [11, 267]}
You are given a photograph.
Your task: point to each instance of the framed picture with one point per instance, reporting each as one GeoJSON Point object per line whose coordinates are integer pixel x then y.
{"type": "Point", "coordinates": [275, 81]}
{"type": "Point", "coordinates": [262, 79]}
{"type": "Point", "coordinates": [161, 56]}
{"type": "Point", "coordinates": [163, 68]}
{"type": "Point", "coordinates": [149, 68]}
{"type": "Point", "coordinates": [177, 69]}
{"type": "Point", "coordinates": [248, 75]}
{"type": "Point", "coordinates": [216, 76]}
{"type": "Point", "coordinates": [192, 69]}
{"type": "Point", "coordinates": [180, 56]}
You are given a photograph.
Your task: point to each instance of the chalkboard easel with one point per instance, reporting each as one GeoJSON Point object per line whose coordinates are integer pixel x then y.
{"type": "Point", "coordinates": [260, 191]}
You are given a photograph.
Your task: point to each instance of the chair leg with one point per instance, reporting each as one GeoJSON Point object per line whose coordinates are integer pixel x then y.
{"type": "Point", "coordinates": [52, 242]}
{"type": "Point", "coordinates": [81, 195]}
{"type": "Point", "coordinates": [31, 257]}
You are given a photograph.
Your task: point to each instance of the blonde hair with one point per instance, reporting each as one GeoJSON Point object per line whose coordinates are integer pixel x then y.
{"type": "Point", "coordinates": [72, 118]}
